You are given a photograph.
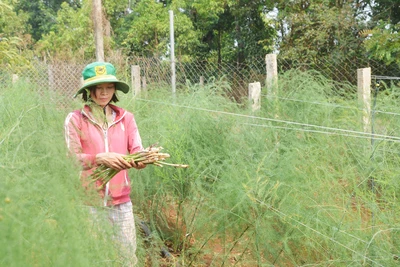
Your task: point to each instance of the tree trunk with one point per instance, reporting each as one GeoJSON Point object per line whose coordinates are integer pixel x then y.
{"type": "Point", "coordinates": [98, 29]}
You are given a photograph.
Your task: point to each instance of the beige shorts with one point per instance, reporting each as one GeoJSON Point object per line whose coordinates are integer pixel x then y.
{"type": "Point", "coordinates": [124, 230]}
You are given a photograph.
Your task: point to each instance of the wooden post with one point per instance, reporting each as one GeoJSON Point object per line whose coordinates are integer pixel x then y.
{"type": "Point", "coordinates": [135, 76]}
{"type": "Point", "coordinates": [98, 29]}
{"type": "Point", "coordinates": [272, 74]}
{"type": "Point", "coordinates": [255, 95]}
{"type": "Point", "coordinates": [364, 96]}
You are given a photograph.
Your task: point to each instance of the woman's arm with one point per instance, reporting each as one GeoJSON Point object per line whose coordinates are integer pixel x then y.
{"type": "Point", "coordinates": [134, 140]}
{"type": "Point", "coordinates": [72, 131]}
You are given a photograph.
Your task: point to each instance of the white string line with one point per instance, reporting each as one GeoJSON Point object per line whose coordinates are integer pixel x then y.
{"type": "Point", "coordinates": [360, 134]}
{"type": "Point", "coordinates": [322, 132]}
{"type": "Point", "coordinates": [310, 102]}
{"type": "Point", "coordinates": [385, 112]}
{"type": "Point", "coordinates": [329, 105]}
{"type": "Point", "coordinates": [377, 77]}
{"type": "Point", "coordinates": [283, 215]}
{"type": "Point", "coordinates": [275, 210]}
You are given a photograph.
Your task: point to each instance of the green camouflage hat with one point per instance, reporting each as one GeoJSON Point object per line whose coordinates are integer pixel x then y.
{"type": "Point", "coordinates": [101, 72]}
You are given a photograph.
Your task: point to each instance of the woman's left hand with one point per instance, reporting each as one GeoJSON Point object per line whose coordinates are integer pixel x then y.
{"type": "Point", "coordinates": [137, 165]}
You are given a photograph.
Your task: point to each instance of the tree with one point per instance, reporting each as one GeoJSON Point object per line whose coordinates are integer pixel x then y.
{"type": "Point", "coordinates": [14, 41]}
{"type": "Point", "coordinates": [315, 29]}
{"type": "Point", "coordinates": [388, 10]}
{"type": "Point", "coordinates": [71, 36]}
{"type": "Point", "coordinates": [230, 31]}
{"type": "Point", "coordinates": [226, 30]}
{"type": "Point", "coordinates": [42, 14]}
{"type": "Point", "coordinates": [252, 34]}
{"type": "Point", "coordinates": [145, 30]}
{"type": "Point", "coordinates": [383, 42]}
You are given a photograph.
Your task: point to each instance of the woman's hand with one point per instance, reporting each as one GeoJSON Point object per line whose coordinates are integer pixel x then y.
{"type": "Point", "coordinates": [113, 160]}
{"type": "Point", "coordinates": [137, 165]}
{"type": "Point", "coordinates": [117, 161]}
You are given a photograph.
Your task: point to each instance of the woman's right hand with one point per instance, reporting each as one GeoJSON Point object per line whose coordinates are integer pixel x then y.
{"type": "Point", "coordinates": [113, 160]}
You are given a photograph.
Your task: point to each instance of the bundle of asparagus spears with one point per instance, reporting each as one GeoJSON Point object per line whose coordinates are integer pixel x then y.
{"type": "Point", "coordinates": [150, 155]}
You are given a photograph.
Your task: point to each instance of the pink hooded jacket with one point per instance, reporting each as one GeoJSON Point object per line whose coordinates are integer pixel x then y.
{"type": "Point", "coordinates": [85, 137]}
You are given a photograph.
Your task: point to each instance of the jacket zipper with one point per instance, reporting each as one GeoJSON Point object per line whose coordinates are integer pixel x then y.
{"type": "Point", "coordinates": [114, 122]}
{"type": "Point", "coordinates": [105, 133]}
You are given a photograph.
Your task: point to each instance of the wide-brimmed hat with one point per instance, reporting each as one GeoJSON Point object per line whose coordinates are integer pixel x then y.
{"type": "Point", "coordinates": [101, 72]}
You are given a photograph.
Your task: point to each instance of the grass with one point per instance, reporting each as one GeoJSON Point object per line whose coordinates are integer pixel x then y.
{"type": "Point", "coordinates": [296, 183]}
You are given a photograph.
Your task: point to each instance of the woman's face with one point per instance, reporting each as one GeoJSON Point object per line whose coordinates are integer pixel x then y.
{"type": "Point", "coordinates": [103, 93]}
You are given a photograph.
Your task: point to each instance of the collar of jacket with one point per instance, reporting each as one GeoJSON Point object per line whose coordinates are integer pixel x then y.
{"type": "Point", "coordinates": [119, 113]}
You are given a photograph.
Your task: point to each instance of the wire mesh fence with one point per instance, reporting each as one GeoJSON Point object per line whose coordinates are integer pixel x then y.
{"type": "Point", "coordinates": [238, 76]}
{"type": "Point", "coordinates": [64, 78]}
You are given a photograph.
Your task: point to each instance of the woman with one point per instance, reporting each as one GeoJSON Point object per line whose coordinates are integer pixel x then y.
{"type": "Point", "coordinates": [101, 134]}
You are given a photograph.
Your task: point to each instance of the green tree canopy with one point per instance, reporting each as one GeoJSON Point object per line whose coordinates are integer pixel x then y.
{"type": "Point", "coordinates": [383, 42]}
{"type": "Point", "coordinates": [312, 29]}
{"type": "Point", "coordinates": [213, 30]}
{"type": "Point", "coordinates": [42, 14]}
{"type": "Point", "coordinates": [14, 39]}
{"type": "Point", "coordinates": [388, 10]}
{"type": "Point", "coordinates": [145, 30]}
{"type": "Point", "coordinates": [71, 36]}
{"type": "Point", "coordinates": [228, 30]}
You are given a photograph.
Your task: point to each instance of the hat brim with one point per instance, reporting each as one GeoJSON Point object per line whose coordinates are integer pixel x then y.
{"type": "Point", "coordinates": [119, 85]}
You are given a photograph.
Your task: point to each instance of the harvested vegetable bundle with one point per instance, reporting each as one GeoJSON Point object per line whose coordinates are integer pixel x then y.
{"type": "Point", "coordinates": [149, 155]}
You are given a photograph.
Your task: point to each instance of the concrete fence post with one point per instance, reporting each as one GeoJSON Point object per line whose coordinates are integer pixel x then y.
{"type": "Point", "coordinates": [144, 86]}
{"type": "Point", "coordinates": [172, 50]}
{"type": "Point", "coordinates": [201, 80]}
{"type": "Point", "coordinates": [50, 74]}
{"type": "Point", "coordinates": [272, 74]}
{"type": "Point", "coordinates": [364, 96]}
{"type": "Point", "coordinates": [255, 95]}
{"type": "Point", "coordinates": [144, 83]}
{"type": "Point", "coordinates": [14, 78]}
{"type": "Point", "coordinates": [135, 79]}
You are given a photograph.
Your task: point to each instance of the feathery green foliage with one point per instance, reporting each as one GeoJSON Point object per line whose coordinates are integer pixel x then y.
{"type": "Point", "coordinates": [43, 220]}
{"type": "Point", "coordinates": [297, 182]}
